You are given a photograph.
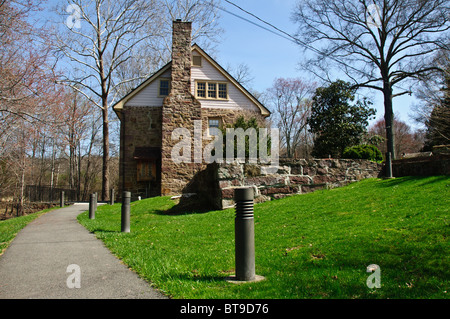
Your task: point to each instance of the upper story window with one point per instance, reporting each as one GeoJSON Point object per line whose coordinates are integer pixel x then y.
{"type": "Point", "coordinates": [201, 89]}
{"type": "Point", "coordinates": [164, 87]}
{"type": "Point", "coordinates": [211, 90]}
{"type": "Point", "coordinates": [197, 60]}
{"type": "Point", "coordinates": [222, 91]}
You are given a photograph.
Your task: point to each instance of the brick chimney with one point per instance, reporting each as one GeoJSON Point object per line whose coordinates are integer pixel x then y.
{"type": "Point", "coordinates": [180, 110]}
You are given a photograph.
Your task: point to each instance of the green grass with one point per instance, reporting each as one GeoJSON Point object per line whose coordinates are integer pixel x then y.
{"type": "Point", "coordinates": [10, 227]}
{"type": "Point", "coordinates": [307, 246]}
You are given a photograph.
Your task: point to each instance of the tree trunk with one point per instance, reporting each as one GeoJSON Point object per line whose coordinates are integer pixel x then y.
{"type": "Point", "coordinates": [104, 96]}
{"type": "Point", "coordinates": [105, 177]}
{"type": "Point", "coordinates": [87, 186]}
{"type": "Point", "coordinates": [389, 121]}
{"type": "Point", "coordinates": [71, 158]}
{"type": "Point", "coordinates": [79, 172]}
{"type": "Point", "coordinates": [52, 171]}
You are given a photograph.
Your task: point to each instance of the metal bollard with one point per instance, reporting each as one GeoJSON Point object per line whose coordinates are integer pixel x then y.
{"type": "Point", "coordinates": [61, 200]}
{"type": "Point", "coordinates": [95, 201]}
{"type": "Point", "coordinates": [126, 199]}
{"type": "Point", "coordinates": [112, 197]}
{"type": "Point", "coordinates": [244, 235]}
{"type": "Point", "coordinates": [92, 207]}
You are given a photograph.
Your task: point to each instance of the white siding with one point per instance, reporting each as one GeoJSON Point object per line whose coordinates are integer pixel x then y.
{"type": "Point", "coordinates": [236, 98]}
{"type": "Point", "coordinates": [149, 96]}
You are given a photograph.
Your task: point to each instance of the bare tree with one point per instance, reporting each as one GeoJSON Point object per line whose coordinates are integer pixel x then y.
{"type": "Point", "coordinates": [97, 40]}
{"type": "Point", "coordinates": [28, 92]}
{"type": "Point", "coordinates": [241, 74]}
{"type": "Point", "coordinates": [433, 110]}
{"type": "Point", "coordinates": [205, 24]}
{"type": "Point", "coordinates": [156, 52]}
{"type": "Point", "coordinates": [408, 140]}
{"type": "Point", "coordinates": [291, 106]}
{"type": "Point", "coordinates": [73, 132]}
{"type": "Point", "coordinates": [377, 43]}
{"type": "Point", "coordinates": [104, 39]}
{"type": "Point", "coordinates": [27, 81]}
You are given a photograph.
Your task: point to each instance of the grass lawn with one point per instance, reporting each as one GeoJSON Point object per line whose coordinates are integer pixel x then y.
{"type": "Point", "coordinates": [10, 227]}
{"type": "Point", "coordinates": [307, 246]}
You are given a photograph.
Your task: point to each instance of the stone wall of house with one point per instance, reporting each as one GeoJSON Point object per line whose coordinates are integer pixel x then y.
{"type": "Point", "coordinates": [291, 177]}
{"type": "Point", "coordinates": [229, 117]}
{"type": "Point", "coordinates": [180, 110]}
{"type": "Point", "coordinates": [141, 128]}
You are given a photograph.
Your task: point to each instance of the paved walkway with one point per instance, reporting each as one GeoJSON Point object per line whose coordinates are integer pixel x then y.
{"type": "Point", "coordinates": [35, 264]}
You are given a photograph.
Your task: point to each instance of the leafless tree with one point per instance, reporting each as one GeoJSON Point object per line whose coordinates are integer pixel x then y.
{"type": "Point", "coordinates": [241, 73]}
{"type": "Point", "coordinates": [408, 140]}
{"type": "Point", "coordinates": [433, 110]}
{"type": "Point", "coordinates": [377, 44]}
{"type": "Point", "coordinates": [75, 130]}
{"type": "Point", "coordinates": [27, 80]}
{"type": "Point", "coordinates": [97, 39]}
{"type": "Point", "coordinates": [28, 91]}
{"type": "Point", "coordinates": [205, 18]}
{"type": "Point", "coordinates": [104, 39]}
{"type": "Point", "coordinates": [290, 100]}
{"type": "Point", "coordinates": [156, 52]}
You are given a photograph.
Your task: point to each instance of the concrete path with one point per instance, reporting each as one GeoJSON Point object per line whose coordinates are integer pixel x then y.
{"type": "Point", "coordinates": [36, 263]}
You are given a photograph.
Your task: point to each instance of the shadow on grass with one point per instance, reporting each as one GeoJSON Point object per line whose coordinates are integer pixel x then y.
{"type": "Point", "coordinates": [437, 179]}
{"type": "Point", "coordinates": [407, 179]}
{"type": "Point", "coordinates": [187, 206]}
{"type": "Point", "coordinates": [180, 212]}
{"type": "Point", "coordinates": [195, 277]}
{"type": "Point", "coordinates": [99, 230]}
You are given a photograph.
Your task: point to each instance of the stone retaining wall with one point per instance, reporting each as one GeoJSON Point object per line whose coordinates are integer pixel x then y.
{"type": "Point", "coordinates": [291, 177]}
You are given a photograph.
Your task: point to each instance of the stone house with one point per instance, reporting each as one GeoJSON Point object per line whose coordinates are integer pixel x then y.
{"type": "Point", "coordinates": [192, 87]}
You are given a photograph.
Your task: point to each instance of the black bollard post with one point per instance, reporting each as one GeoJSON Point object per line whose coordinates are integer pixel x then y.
{"type": "Point", "coordinates": [126, 199]}
{"type": "Point", "coordinates": [61, 200]}
{"type": "Point", "coordinates": [244, 235]}
{"type": "Point", "coordinates": [111, 198]}
{"type": "Point", "coordinates": [95, 202]}
{"type": "Point", "coordinates": [92, 206]}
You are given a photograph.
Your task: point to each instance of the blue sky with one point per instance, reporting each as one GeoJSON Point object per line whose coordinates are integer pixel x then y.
{"type": "Point", "coordinates": [269, 56]}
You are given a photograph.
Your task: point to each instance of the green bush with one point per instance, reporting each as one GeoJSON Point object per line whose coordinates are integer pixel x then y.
{"type": "Point", "coordinates": [368, 152]}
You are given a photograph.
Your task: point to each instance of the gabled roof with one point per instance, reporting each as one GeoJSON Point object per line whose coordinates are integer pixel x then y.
{"type": "Point", "coordinates": [119, 105]}
{"type": "Point", "coordinates": [264, 110]}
